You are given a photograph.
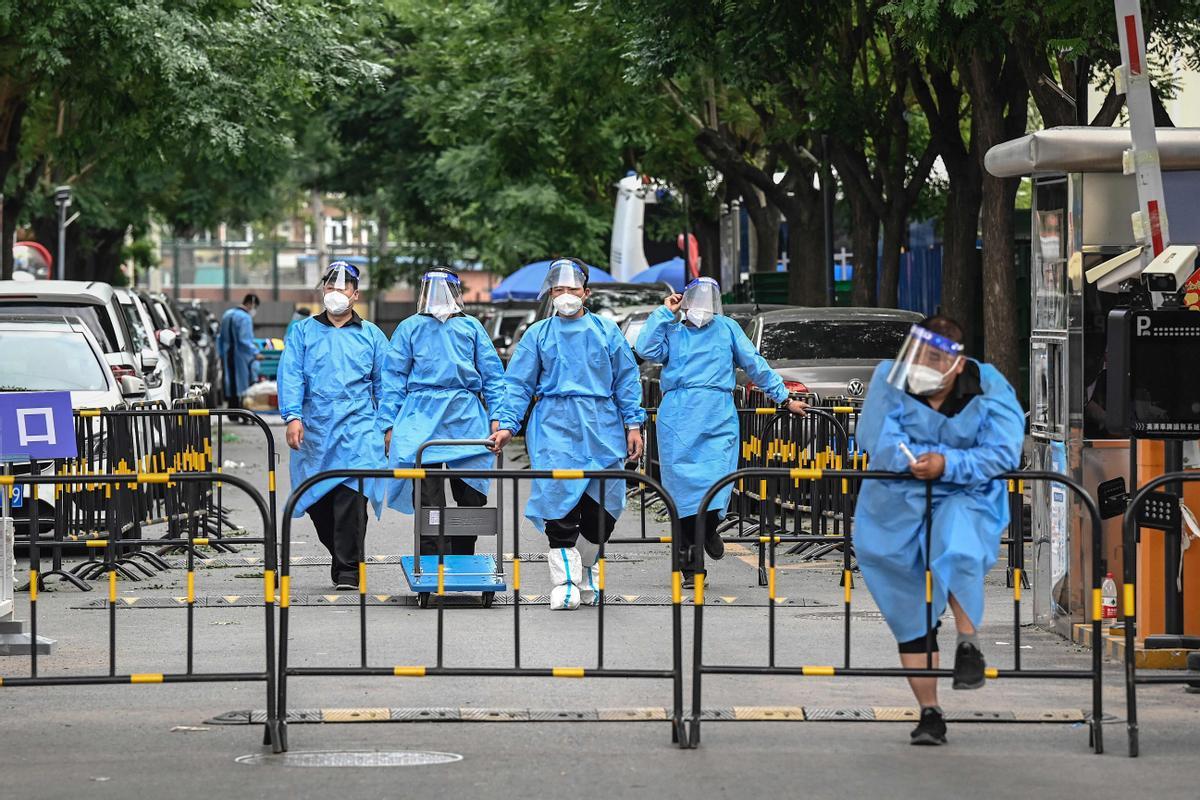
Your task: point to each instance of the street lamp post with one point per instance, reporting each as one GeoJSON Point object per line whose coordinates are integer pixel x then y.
{"type": "Point", "coordinates": [62, 199]}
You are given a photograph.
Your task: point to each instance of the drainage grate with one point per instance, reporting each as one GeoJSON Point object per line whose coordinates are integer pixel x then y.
{"type": "Point", "coordinates": [350, 758]}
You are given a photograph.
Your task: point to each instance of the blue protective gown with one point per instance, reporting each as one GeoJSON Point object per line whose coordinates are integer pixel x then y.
{"type": "Point", "coordinates": [239, 353]}
{"type": "Point", "coordinates": [434, 376]}
{"type": "Point", "coordinates": [331, 379]}
{"type": "Point", "coordinates": [698, 432]}
{"type": "Point", "coordinates": [584, 378]}
{"type": "Point", "coordinates": [970, 511]}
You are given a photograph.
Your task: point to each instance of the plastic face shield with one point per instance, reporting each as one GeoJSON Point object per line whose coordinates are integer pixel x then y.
{"type": "Point", "coordinates": [702, 294]}
{"type": "Point", "coordinates": [563, 272]}
{"type": "Point", "coordinates": [338, 273]}
{"type": "Point", "coordinates": [925, 362]}
{"type": "Point", "coordinates": [441, 295]}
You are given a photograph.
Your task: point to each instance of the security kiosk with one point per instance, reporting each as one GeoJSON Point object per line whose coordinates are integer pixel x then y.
{"type": "Point", "coordinates": [1084, 251]}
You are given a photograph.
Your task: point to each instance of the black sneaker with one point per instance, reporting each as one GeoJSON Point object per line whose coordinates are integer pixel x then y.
{"type": "Point", "coordinates": [345, 586]}
{"type": "Point", "coordinates": [689, 580]}
{"type": "Point", "coordinates": [931, 730]}
{"type": "Point", "coordinates": [969, 667]}
{"type": "Point", "coordinates": [714, 545]}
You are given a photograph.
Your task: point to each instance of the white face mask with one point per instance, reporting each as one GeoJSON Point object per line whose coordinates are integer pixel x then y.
{"type": "Point", "coordinates": [253, 311]}
{"type": "Point", "coordinates": [443, 313]}
{"type": "Point", "coordinates": [924, 381]}
{"type": "Point", "coordinates": [568, 305]}
{"type": "Point", "coordinates": [699, 317]}
{"type": "Point", "coordinates": [337, 303]}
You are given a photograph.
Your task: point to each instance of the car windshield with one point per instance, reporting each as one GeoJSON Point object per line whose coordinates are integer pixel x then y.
{"type": "Point", "coordinates": [133, 319]}
{"type": "Point", "coordinates": [49, 361]}
{"type": "Point", "coordinates": [610, 299]}
{"type": "Point", "coordinates": [93, 316]}
{"type": "Point", "coordinates": [832, 339]}
{"type": "Point", "coordinates": [509, 324]}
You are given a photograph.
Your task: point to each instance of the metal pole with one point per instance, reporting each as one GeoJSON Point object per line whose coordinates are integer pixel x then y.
{"type": "Point", "coordinates": [225, 271]}
{"type": "Point", "coordinates": [275, 270]}
{"type": "Point", "coordinates": [62, 241]}
{"type": "Point", "coordinates": [1172, 597]}
{"type": "Point", "coordinates": [827, 202]}
{"type": "Point", "coordinates": [175, 267]}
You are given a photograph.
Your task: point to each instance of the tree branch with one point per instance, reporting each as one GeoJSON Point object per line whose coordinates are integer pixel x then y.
{"type": "Point", "coordinates": [673, 92]}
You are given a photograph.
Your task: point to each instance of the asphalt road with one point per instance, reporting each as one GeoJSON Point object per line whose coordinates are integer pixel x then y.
{"type": "Point", "coordinates": [160, 740]}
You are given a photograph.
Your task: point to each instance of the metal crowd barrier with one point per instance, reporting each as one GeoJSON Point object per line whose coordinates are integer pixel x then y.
{"type": "Point", "coordinates": [700, 668]}
{"type": "Point", "coordinates": [115, 485]}
{"type": "Point", "coordinates": [148, 440]}
{"type": "Point", "coordinates": [1165, 510]}
{"type": "Point", "coordinates": [439, 668]}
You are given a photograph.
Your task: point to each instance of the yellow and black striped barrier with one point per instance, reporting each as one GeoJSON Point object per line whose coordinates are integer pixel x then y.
{"type": "Point", "coordinates": [1169, 482]}
{"type": "Point", "coordinates": [674, 674]}
{"type": "Point", "coordinates": [111, 545]}
{"type": "Point", "coordinates": [782, 477]}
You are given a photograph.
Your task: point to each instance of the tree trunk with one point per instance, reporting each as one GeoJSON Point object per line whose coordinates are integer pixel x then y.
{"type": "Point", "coordinates": [1000, 109]}
{"type": "Point", "coordinates": [708, 241]}
{"type": "Point", "coordinates": [806, 250]}
{"type": "Point", "coordinates": [13, 206]}
{"type": "Point", "coordinates": [960, 258]}
{"type": "Point", "coordinates": [764, 238]}
{"type": "Point", "coordinates": [894, 225]}
{"type": "Point", "coordinates": [865, 241]}
{"type": "Point", "coordinates": [12, 115]}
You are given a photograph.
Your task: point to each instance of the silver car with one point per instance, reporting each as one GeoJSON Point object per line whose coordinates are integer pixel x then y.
{"type": "Point", "coordinates": [829, 352]}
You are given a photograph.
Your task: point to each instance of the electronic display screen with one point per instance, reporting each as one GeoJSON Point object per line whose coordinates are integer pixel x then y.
{"type": "Point", "coordinates": [1162, 362]}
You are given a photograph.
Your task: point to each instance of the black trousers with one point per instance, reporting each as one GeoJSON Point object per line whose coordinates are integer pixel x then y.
{"type": "Point", "coordinates": [689, 550]}
{"type": "Point", "coordinates": [340, 518]}
{"type": "Point", "coordinates": [586, 519]}
{"type": "Point", "coordinates": [433, 495]}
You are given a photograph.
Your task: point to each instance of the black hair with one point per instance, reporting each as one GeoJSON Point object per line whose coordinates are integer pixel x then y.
{"type": "Point", "coordinates": [304, 311]}
{"type": "Point", "coordinates": [944, 326]}
{"type": "Point", "coordinates": [251, 300]}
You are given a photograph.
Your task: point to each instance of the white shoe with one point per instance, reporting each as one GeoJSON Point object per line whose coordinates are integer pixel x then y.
{"type": "Point", "coordinates": [589, 578]}
{"type": "Point", "coordinates": [565, 572]}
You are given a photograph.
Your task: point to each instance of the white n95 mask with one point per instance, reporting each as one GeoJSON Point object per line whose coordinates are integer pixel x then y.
{"type": "Point", "coordinates": [443, 313]}
{"type": "Point", "coordinates": [699, 316]}
{"type": "Point", "coordinates": [567, 305]}
{"type": "Point", "coordinates": [336, 303]}
{"type": "Point", "coordinates": [924, 381]}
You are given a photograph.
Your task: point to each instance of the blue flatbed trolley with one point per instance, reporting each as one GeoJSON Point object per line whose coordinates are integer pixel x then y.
{"type": "Point", "coordinates": [477, 573]}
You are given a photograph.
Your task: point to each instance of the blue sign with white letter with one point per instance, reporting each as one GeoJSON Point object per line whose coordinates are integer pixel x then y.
{"type": "Point", "coordinates": [36, 425]}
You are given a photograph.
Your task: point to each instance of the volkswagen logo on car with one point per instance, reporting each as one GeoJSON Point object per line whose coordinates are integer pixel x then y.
{"type": "Point", "coordinates": [855, 388]}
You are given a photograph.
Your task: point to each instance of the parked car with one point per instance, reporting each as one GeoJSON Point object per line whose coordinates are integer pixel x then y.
{"type": "Point", "coordinates": [828, 352]}
{"type": "Point", "coordinates": [93, 303]}
{"type": "Point", "coordinates": [165, 318]}
{"type": "Point", "coordinates": [58, 353]}
{"type": "Point", "coordinates": [506, 320]}
{"type": "Point", "coordinates": [204, 326]}
{"type": "Point", "coordinates": [742, 313]}
{"type": "Point", "coordinates": [163, 384]}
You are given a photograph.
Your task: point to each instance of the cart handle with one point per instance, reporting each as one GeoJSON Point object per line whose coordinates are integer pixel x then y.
{"type": "Point", "coordinates": [484, 443]}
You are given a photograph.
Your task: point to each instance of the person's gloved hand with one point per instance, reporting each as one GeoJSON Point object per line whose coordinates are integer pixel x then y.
{"type": "Point", "coordinates": [633, 441]}
{"type": "Point", "coordinates": [929, 466]}
{"type": "Point", "coordinates": [499, 438]}
{"type": "Point", "coordinates": [295, 434]}
{"type": "Point", "coordinates": [387, 441]}
{"type": "Point", "coordinates": [673, 302]}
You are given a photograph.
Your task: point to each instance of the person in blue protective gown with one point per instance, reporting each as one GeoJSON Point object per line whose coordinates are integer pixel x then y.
{"type": "Point", "coordinates": [238, 352]}
{"type": "Point", "coordinates": [587, 415]}
{"type": "Point", "coordinates": [440, 363]}
{"type": "Point", "coordinates": [330, 386]}
{"type": "Point", "coordinates": [954, 422]}
{"type": "Point", "coordinates": [697, 423]}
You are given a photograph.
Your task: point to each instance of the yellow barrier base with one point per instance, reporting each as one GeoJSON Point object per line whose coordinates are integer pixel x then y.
{"type": "Point", "coordinates": [1114, 647]}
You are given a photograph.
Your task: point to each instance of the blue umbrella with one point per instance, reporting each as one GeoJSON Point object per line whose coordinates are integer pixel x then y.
{"type": "Point", "coordinates": [673, 272]}
{"type": "Point", "coordinates": [525, 283]}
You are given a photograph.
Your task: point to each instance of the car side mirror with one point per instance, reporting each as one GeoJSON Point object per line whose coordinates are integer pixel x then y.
{"type": "Point", "coordinates": [149, 361]}
{"type": "Point", "coordinates": [196, 335]}
{"type": "Point", "coordinates": [132, 386]}
{"type": "Point", "coordinates": [168, 337]}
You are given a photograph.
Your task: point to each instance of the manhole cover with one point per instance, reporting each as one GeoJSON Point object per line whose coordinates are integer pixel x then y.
{"type": "Point", "coordinates": [350, 758]}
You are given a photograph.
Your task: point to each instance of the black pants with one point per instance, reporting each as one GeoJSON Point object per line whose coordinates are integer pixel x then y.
{"type": "Point", "coordinates": [586, 519]}
{"type": "Point", "coordinates": [340, 518]}
{"type": "Point", "coordinates": [433, 495]}
{"type": "Point", "coordinates": [689, 555]}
